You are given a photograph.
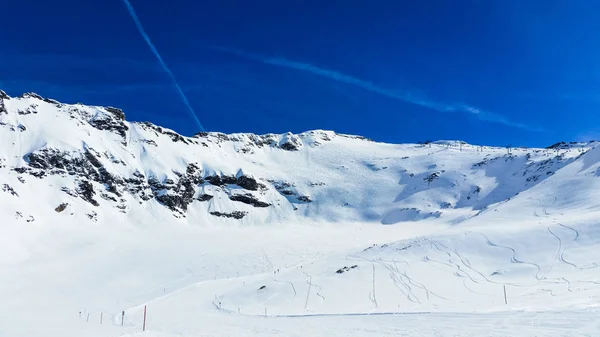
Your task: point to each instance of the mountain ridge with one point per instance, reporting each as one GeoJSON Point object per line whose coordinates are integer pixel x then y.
{"type": "Point", "coordinates": [93, 154]}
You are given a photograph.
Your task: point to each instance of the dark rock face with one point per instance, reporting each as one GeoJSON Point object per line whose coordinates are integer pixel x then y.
{"type": "Point", "coordinates": [6, 188]}
{"type": "Point", "coordinates": [30, 110]}
{"type": "Point", "coordinates": [110, 123]}
{"type": "Point", "coordinates": [150, 142]}
{"type": "Point", "coordinates": [61, 207]}
{"type": "Point", "coordinates": [235, 215]}
{"type": "Point", "coordinates": [3, 95]}
{"type": "Point", "coordinates": [2, 106]}
{"type": "Point", "coordinates": [218, 180]}
{"type": "Point", "coordinates": [430, 178]}
{"type": "Point", "coordinates": [205, 197]}
{"type": "Point", "coordinates": [32, 95]}
{"type": "Point", "coordinates": [177, 195]}
{"type": "Point", "coordinates": [345, 269]}
{"type": "Point", "coordinates": [118, 113]}
{"type": "Point", "coordinates": [175, 137]}
{"type": "Point", "coordinates": [249, 199]}
{"type": "Point", "coordinates": [52, 161]}
{"type": "Point", "coordinates": [304, 198]}
{"type": "Point", "coordinates": [86, 192]}
{"type": "Point", "coordinates": [51, 101]}
{"type": "Point", "coordinates": [249, 183]}
{"type": "Point", "coordinates": [289, 146]}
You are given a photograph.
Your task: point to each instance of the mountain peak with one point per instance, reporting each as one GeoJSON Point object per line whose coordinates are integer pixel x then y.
{"type": "Point", "coordinates": [105, 167]}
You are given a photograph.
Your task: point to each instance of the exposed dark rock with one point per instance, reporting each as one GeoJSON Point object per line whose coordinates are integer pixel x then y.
{"type": "Point", "coordinates": [558, 145]}
{"type": "Point", "coordinates": [69, 191]}
{"type": "Point", "coordinates": [2, 106]}
{"type": "Point", "coordinates": [21, 127]}
{"type": "Point", "coordinates": [149, 142]}
{"type": "Point", "coordinates": [221, 180]}
{"type": "Point", "coordinates": [118, 113]}
{"type": "Point", "coordinates": [177, 195]}
{"type": "Point", "coordinates": [61, 207]}
{"type": "Point", "coordinates": [249, 183]}
{"type": "Point", "coordinates": [175, 137]}
{"type": "Point", "coordinates": [28, 111]}
{"type": "Point", "coordinates": [205, 197]}
{"type": "Point", "coordinates": [304, 198]}
{"type": "Point", "coordinates": [354, 137]}
{"type": "Point", "coordinates": [430, 178]}
{"type": "Point", "coordinates": [445, 205]}
{"type": "Point", "coordinates": [345, 269]}
{"type": "Point", "coordinates": [248, 199]}
{"type": "Point", "coordinates": [6, 188]}
{"type": "Point", "coordinates": [108, 197]}
{"type": "Point", "coordinates": [235, 214]}
{"type": "Point", "coordinates": [289, 146]}
{"type": "Point", "coordinates": [93, 216]}
{"type": "Point", "coordinates": [31, 95]}
{"type": "Point", "coordinates": [51, 101]}
{"type": "Point", "coordinates": [262, 287]}
{"type": "Point", "coordinates": [111, 123]}
{"type": "Point", "coordinates": [86, 192]}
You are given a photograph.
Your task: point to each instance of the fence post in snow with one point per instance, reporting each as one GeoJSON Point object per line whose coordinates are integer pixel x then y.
{"type": "Point", "coordinates": [101, 318]}
{"type": "Point", "coordinates": [123, 318]}
{"type": "Point", "coordinates": [88, 318]}
{"type": "Point", "coordinates": [144, 327]}
{"type": "Point", "coordinates": [505, 300]}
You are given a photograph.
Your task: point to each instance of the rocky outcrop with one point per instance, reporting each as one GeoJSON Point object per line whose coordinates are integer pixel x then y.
{"type": "Point", "coordinates": [32, 95]}
{"type": "Point", "coordinates": [3, 96]}
{"type": "Point", "coordinates": [178, 195]}
{"type": "Point", "coordinates": [304, 198]}
{"type": "Point", "coordinates": [111, 121]}
{"type": "Point", "coordinates": [235, 215]}
{"type": "Point", "coordinates": [205, 197]}
{"type": "Point", "coordinates": [86, 191]}
{"type": "Point", "coordinates": [61, 207]}
{"type": "Point", "coordinates": [6, 188]}
{"type": "Point", "coordinates": [175, 137]}
{"type": "Point", "coordinates": [249, 199]}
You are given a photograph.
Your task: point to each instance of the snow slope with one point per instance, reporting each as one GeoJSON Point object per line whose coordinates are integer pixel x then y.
{"type": "Point", "coordinates": [323, 233]}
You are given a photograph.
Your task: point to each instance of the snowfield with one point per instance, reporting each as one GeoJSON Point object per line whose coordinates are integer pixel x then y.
{"type": "Point", "coordinates": [316, 234]}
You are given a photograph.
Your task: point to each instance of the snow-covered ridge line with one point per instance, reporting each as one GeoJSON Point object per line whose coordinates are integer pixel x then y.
{"type": "Point", "coordinates": [218, 136]}
{"type": "Point", "coordinates": [93, 160]}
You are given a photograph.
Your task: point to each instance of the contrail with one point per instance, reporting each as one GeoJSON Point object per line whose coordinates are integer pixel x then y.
{"type": "Point", "coordinates": [369, 86]}
{"type": "Point", "coordinates": [140, 28]}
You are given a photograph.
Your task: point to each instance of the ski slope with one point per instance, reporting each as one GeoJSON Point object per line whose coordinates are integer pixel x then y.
{"type": "Point", "coordinates": [334, 235]}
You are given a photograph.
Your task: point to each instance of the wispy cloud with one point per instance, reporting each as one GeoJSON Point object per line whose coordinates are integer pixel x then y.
{"type": "Point", "coordinates": [372, 87]}
{"type": "Point", "coordinates": [146, 38]}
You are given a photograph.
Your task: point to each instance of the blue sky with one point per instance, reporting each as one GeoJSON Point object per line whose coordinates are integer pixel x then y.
{"type": "Point", "coordinates": [487, 72]}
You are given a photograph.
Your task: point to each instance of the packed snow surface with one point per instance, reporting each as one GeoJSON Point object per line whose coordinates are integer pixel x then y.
{"type": "Point", "coordinates": [315, 234]}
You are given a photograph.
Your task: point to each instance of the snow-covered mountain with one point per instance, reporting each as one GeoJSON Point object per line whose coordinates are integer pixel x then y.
{"type": "Point", "coordinates": [325, 234]}
{"type": "Point", "coordinates": [90, 163]}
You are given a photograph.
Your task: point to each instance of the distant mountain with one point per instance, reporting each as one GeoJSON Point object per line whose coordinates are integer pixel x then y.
{"type": "Point", "coordinates": [61, 161]}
